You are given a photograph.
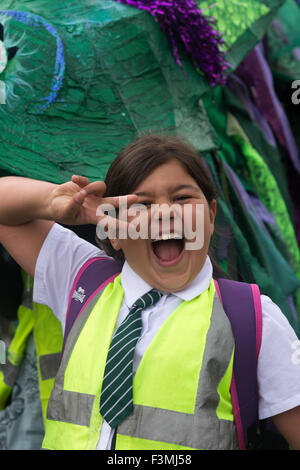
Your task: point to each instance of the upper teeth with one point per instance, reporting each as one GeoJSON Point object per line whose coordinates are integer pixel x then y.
{"type": "Point", "coordinates": [168, 236]}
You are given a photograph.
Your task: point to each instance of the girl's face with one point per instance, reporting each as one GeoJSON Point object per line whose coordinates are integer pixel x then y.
{"type": "Point", "coordinates": [167, 264]}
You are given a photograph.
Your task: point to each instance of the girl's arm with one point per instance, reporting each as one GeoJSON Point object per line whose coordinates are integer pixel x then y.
{"type": "Point", "coordinates": [23, 205]}
{"type": "Point", "coordinates": [28, 209]}
{"type": "Point", "coordinates": [288, 424]}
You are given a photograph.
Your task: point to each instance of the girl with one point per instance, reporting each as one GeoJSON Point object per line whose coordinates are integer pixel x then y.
{"type": "Point", "coordinates": [182, 361]}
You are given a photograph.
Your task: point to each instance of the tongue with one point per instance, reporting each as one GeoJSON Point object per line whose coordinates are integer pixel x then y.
{"type": "Point", "coordinates": [167, 250]}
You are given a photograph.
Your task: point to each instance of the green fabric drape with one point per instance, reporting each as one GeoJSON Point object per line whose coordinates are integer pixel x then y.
{"type": "Point", "coordinates": [267, 189]}
{"type": "Point", "coordinates": [120, 78]}
{"type": "Point", "coordinates": [266, 256]}
{"type": "Point", "coordinates": [251, 255]}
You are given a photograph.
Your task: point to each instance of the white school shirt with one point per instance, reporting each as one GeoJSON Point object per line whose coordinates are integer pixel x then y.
{"type": "Point", "coordinates": [278, 370]}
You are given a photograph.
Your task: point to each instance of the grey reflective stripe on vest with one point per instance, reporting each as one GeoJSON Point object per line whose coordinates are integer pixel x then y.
{"type": "Point", "coordinates": [10, 373]}
{"type": "Point", "coordinates": [74, 407]}
{"type": "Point", "coordinates": [202, 430]}
{"type": "Point", "coordinates": [71, 407]}
{"type": "Point", "coordinates": [49, 364]}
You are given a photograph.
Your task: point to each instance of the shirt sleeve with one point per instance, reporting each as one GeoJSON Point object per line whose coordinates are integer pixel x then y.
{"type": "Point", "coordinates": [278, 368]}
{"type": "Point", "coordinates": [60, 258]}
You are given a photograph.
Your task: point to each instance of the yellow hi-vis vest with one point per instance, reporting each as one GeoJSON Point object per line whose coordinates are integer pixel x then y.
{"type": "Point", "coordinates": [10, 368]}
{"type": "Point", "coordinates": [48, 340]}
{"type": "Point", "coordinates": [181, 389]}
{"type": "Point", "coordinates": [46, 328]}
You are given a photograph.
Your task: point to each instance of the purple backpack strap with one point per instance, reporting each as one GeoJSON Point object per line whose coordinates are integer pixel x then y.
{"type": "Point", "coordinates": [242, 305]}
{"type": "Point", "coordinates": [93, 276]}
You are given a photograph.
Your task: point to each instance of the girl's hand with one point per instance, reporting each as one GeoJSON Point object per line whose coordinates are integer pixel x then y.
{"type": "Point", "coordinates": [76, 202]}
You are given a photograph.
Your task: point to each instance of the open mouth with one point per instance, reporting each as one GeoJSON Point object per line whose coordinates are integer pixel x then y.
{"type": "Point", "coordinates": [168, 249]}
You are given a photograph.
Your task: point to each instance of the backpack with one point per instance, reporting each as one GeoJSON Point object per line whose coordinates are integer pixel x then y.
{"type": "Point", "coordinates": [235, 297]}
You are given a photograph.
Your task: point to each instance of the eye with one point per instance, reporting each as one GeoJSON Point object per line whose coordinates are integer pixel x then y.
{"type": "Point", "coordinates": [182, 198]}
{"type": "Point", "coordinates": [146, 203]}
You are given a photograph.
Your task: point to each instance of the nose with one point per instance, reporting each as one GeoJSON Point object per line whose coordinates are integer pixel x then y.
{"type": "Point", "coordinates": [166, 217]}
{"type": "Point", "coordinates": [165, 209]}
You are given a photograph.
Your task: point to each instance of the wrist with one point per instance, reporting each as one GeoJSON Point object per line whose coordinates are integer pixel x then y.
{"type": "Point", "coordinates": [42, 208]}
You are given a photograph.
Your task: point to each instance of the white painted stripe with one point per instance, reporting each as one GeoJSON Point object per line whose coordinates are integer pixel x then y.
{"type": "Point", "coordinates": [108, 385]}
{"type": "Point", "coordinates": [118, 402]}
{"type": "Point", "coordinates": [120, 332]}
{"type": "Point", "coordinates": [126, 344]}
{"type": "Point", "coordinates": [124, 407]}
{"type": "Point", "coordinates": [108, 373]}
{"type": "Point", "coordinates": [120, 340]}
{"type": "Point", "coordinates": [116, 377]}
{"type": "Point", "coordinates": [115, 391]}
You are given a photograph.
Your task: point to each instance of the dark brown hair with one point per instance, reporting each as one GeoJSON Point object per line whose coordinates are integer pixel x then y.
{"type": "Point", "coordinates": [137, 160]}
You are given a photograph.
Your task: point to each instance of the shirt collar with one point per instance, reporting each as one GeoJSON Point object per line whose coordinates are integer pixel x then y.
{"type": "Point", "coordinates": [134, 286]}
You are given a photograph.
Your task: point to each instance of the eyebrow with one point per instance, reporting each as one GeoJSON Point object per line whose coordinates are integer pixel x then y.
{"type": "Point", "coordinates": [177, 188]}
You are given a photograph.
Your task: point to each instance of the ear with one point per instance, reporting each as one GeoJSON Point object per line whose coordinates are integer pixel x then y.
{"type": "Point", "coordinates": [115, 243]}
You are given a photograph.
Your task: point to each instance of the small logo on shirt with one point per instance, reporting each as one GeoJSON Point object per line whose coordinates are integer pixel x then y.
{"type": "Point", "coordinates": [296, 353]}
{"type": "Point", "coordinates": [79, 294]}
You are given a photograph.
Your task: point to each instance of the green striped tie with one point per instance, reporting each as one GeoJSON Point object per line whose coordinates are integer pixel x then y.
{"type": "Point", "coordinates": [116, 395]}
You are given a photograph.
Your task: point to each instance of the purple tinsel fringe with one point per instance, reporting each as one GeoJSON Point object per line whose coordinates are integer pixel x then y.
{"type": "Point", "coordinates": [182, 19]}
